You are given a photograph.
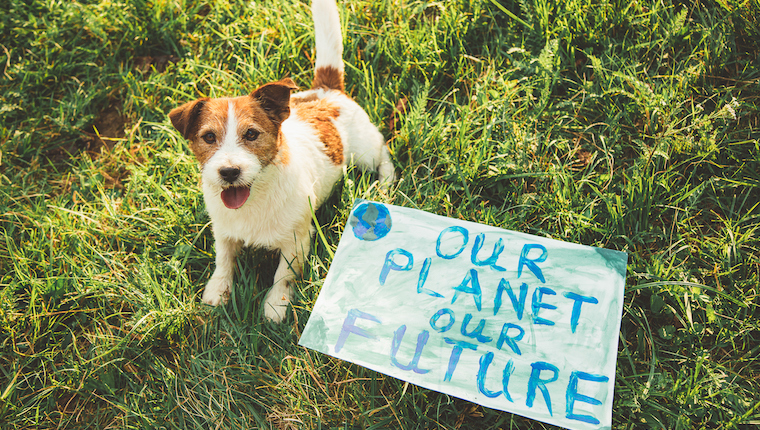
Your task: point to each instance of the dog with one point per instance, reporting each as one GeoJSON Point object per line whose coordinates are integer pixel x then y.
{"type": "Point", "coordinates": [269, 158]}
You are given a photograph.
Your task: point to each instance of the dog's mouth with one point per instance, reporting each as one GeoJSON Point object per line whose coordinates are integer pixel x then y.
{"type": "Point", "coordinates": [235, 197]}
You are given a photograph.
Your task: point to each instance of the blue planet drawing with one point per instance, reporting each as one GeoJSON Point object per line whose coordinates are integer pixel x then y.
{"type": "Point", "coordinates": [370, 221]}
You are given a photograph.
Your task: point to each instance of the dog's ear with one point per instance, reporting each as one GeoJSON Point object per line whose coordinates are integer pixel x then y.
{"type": "Point", "coordinates": [186, 117]}
{"type": "Point", "coordinates": [274, 98]}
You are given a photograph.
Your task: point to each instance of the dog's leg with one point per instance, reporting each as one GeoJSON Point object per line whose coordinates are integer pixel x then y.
{"type": "Point", "coordinates": [221, 281]}
{"type": "Point", "coordinates": [366, 147]}
{"type": "Point", "coordinates": [292, 256]}
{"type": "Point", "coordinates": [387, 173]}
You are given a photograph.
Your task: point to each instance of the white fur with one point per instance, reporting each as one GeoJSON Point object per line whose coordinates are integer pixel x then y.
{"type": "Point", "coordinates": [229, 154]}
{"type": "Point", "coordinates": [328, 39]}
{"type": "Point", "coordinates": [277, 214]}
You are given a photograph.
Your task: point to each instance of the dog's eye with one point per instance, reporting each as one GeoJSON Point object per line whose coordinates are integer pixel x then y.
{"type": "Point", "coordinates": [251, 134]}
{"type": "Point", "coordinates": [209, 137]}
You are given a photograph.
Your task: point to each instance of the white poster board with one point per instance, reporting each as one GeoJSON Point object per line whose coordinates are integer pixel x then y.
{"type": "Point", "coordinates": [507, 320]}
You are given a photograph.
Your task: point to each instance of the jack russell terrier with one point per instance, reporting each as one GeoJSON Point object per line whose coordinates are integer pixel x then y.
{"type": "Point", "coordinates": [268, 158]}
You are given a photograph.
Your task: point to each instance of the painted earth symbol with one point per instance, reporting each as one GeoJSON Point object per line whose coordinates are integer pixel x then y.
{"type": "Point", "coordinates": [370, 221]}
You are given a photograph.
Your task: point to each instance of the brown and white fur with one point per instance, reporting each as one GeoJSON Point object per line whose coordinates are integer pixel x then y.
{"type": "Point", "coordinates": [268, 158]}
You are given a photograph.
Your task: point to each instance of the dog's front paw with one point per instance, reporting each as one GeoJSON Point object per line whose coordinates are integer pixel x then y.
{"type": "Point", "coordinates": [276, 302]}
{"type": "Point", "coordinates": [216, 292]}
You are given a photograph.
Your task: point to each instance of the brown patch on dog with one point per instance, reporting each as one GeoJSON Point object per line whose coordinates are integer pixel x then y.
{"type": "Point", "coordinates": [283, 153]}
{"type": "Point", "coordinates": [251, 115]}
{"type": "Point", "coordinates": [274, 98]}
{"type": "Point", "coordinates": [196, 119]}
{"type": "Point", "coordinates": [304, 99]}
{"type": "Point", "coordinates": [328, 77]}
{"type": "Point", "coordinates": [186, 118]}
{"type": "Point", "coordinates": [190, 117]}
{"type": "Point", "coordinates": [319, 114]}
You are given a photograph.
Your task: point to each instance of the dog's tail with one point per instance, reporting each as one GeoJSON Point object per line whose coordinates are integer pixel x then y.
{"type": "Point", "coordinates": [328, 71]}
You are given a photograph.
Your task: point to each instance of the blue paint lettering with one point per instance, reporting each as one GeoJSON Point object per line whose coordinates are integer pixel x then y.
{"type": "Point", "coordinates": [390, 264]}
{"type": "Point", "coordinates": [579, 300]}
{"type": "Point", "coordinates": [518, 305]}
{"type": "Point", "coordinates": [440, 313]}
{"type": "Point", "coordinates": [423, 277]}
{"type": "Point", "coordinates": [477, 334]}
{"type": "Point", "coordinates": [535, 381]}
{"type": "Point", "coordinates": [530, 263]}
{"type": "Point", "coordinates": [350, 327]}
{"type": "Point", "coordinates": [422, 339]}
{"type": "Point", "coordinates": [456, 352]}
{"type": "Point", "coordinates": [510, 340]}
{"type": "Point", "coordinates": [572, 396]}
{"type": "Point", "coordinates": [490, 261]}
{"type": "Point", "coordinates": [538, 304]}
{"type": "Point", "coordinates": [485, 361]}
{"type": "Point", "coordinates": [454, 228]}
{"type": "Point", "coordinates": [470, 278]}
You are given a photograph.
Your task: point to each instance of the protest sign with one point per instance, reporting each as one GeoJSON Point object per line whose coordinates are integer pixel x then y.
{"type": "Point", "coordinates": [511, 321]}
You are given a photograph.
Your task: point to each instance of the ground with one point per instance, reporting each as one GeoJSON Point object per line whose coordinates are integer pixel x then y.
{"type": "Point", "coordinates": [625, 125]}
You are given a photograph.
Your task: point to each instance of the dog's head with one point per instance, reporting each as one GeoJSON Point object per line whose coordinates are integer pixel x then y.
{"type": "Point", "coordinates": [235, 139]}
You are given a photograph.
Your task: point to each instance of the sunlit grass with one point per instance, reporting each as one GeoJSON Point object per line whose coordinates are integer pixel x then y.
{"type": "Point", "coordinates": [630, 126]}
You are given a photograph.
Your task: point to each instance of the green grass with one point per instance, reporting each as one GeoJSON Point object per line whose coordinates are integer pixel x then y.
{"type": "Point", "coordinates": [630, 126]}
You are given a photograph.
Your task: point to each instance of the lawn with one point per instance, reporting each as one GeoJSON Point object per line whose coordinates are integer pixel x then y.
{"type": "Point", "coordinates": [632, 126]}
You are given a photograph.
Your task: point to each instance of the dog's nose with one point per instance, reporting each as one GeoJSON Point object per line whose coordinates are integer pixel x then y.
{"type": "Point", "coordinates": [229, 174]}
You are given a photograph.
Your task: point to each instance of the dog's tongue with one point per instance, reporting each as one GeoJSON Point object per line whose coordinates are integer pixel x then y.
{"type": "Point", "coordinates": [234, 197]}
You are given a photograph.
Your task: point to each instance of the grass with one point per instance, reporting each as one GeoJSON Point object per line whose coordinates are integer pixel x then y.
{"type": "Point", "coordinates": [630, 126]}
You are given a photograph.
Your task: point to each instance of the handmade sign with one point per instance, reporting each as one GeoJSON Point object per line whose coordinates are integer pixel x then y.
{"type": "Point", "coordinates": [508, 320]}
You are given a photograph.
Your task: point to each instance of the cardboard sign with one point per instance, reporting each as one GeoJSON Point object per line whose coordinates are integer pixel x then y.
{"type": "Point", "coordinates": [508, 320]}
